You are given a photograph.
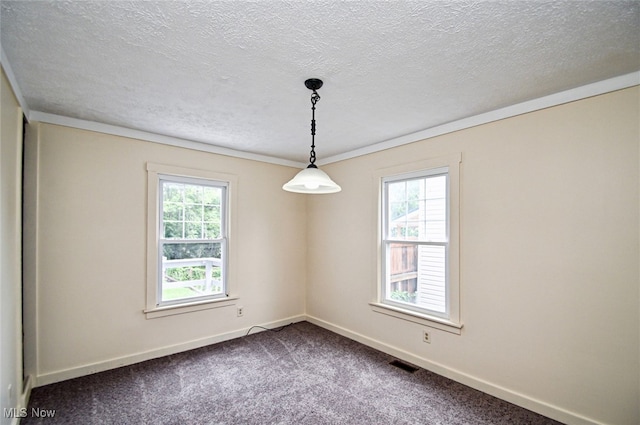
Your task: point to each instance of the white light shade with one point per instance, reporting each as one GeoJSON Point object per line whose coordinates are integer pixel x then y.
{"type": "Point", "coordinates": [312, 180]}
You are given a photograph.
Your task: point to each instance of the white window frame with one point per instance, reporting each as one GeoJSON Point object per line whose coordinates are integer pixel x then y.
{"type": "Point", "coordinates": [155, 173]}
{"type": "Point", "coordinates": [449, 321]}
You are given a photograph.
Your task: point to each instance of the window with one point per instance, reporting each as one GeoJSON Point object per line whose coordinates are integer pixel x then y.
{"type": "Point", "coordinates": [192, 243]}
{"type": "Point", "coordinates": [188, 241]}
{"type": "Point", "coordinates": [418, 243]}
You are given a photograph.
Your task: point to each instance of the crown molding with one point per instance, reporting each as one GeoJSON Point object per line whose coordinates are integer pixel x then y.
{"type": "Point", "coordinates": [14, 83]}
{"type": "Point", "coordinates": [156, 138]}
{"type": "Point", "coordinates": [567, 96]}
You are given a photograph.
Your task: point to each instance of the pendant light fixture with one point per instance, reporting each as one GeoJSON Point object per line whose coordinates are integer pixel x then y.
{"type": "Point", "coordinates": [312, 179]}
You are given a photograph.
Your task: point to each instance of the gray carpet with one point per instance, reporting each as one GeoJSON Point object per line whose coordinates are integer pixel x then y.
{"type": "Point", "coordinates": [301, 375]}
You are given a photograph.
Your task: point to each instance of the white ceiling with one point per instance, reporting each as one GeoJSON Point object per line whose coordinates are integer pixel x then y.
{"type": "Point", "coordinates": [231, 73]}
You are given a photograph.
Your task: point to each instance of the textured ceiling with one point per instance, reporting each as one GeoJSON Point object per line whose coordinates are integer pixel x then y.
{"type": "Point", "coordinates": [231, 73]}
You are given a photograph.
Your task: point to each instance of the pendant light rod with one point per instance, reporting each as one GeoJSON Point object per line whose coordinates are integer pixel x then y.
{"type": "Point", "coordinates": [313, 84]}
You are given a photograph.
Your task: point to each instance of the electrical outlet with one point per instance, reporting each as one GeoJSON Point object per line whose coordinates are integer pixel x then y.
{"type": "Point", "coordinates": [240, 311]}
{"type": "Point", "coordinates": [426, 337]}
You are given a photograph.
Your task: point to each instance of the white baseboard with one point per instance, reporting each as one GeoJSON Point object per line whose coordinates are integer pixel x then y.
{"type": "Point", "coordinates": [522, 400]}
{"type": "Point", "coordinates": [76, 372]}
{"type": "Point", "coordinates": [26, 391]}
{"type": "Point", "coordinates": [23, 402]}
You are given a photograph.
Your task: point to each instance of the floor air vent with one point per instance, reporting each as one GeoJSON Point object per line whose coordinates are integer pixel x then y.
{"type": "Point", "coordinates": [404, 366]}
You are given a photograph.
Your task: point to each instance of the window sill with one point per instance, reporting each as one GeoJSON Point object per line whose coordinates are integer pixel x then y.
{"type": "Point", "coordinates": [169, 310]}
{"type": "Point", "coordinates": [421, 319]}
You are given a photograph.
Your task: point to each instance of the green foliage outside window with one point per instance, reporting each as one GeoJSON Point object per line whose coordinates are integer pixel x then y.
{"type": "Point", "coordinates": [404, 296]}
{"type": "Point", "coordinates": [180, 251]}
{"type": "Point", "coordinates": [191, 211]}
{"type": "Point", "coordinates": [191, 273]}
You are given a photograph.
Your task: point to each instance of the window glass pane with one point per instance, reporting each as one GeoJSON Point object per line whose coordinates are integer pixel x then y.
{"type": "Point", "coordinates": [397, 210]}
{"type": "Point", "coordinates": [431, 288]}
{"type": "Point", "coordinates": [212, 195]}
{"type": "Point", "coordinates": [177, 251]}
{"type": "Point", "coordinates": [417, 209]}
{"type": "Point", "coordinates": [402, 272]}
{"type": "Point", "coordinates": [212, 213]}
{"type": "Point", "coordinates": [173, 230]}
{"type": "Point", "coordinates": [193, 230]}
{"type": "Point", "coordinates": [397, 192]}
{"type": "Point", "coordinates": [173, 192]}
{"type": "Point", "coordinates": [212, 230]}
{"type": "Point", "coordinates": [193, 212]}
{"type": "Point", "coordinates": [173, 211]}
{"type": "Point", "coordinates": [436, 209]}
{"type": "Point", "coordinates": [416, 275]}
{"type": "Point", "coordinates": [192, 194]}
{"type": "Point", "coordinates": [415, 192]}
{"type": "Point", "coordinates": [191, 270]}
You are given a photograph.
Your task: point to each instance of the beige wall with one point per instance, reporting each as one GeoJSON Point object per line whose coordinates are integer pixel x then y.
{"type": "Point", "coordinates": [549, 259]}
{"type": "Point", "coordinates": [90, 194]}
{"type": "Point", "coordinates": [10, 251]}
